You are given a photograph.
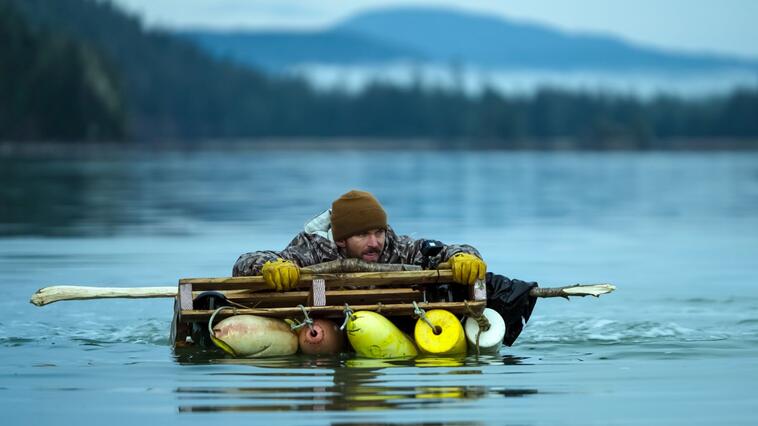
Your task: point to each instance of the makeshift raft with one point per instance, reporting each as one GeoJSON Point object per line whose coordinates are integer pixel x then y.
{"type": "Point", "coordinates": [392, 290]}
{"type": "Point", "coordinates": [344, 291]}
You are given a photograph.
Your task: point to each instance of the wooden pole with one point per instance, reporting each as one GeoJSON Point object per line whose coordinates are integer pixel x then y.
{"type": "Point", "coordinates": [47, 295]}
{"type": "Point", "coordinates": [57, 293]}
{"type": "Point", "coordinates": [579, 290]}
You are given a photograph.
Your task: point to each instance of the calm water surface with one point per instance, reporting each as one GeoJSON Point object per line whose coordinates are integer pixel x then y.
{"type": "Point", "coordinates": [677, 233]}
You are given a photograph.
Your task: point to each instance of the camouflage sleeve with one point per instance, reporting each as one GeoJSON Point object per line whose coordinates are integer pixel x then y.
{"type": "Point", "coordinates": [304, 250]}
{"type": "Point", "coordinates": [409, 251]}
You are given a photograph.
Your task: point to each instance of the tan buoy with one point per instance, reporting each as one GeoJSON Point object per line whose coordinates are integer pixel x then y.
{"type": "Point", "coordinates": [321, 338]}
{"type": "Point", "coordinates": [253, 336]}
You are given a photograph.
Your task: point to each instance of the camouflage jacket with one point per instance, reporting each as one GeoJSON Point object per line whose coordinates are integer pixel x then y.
{"type": "Point", "coordinates": [316, 245]}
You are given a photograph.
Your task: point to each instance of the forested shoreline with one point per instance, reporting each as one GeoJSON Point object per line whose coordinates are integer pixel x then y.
{"type": "Point", "coordinates": [83, 71]}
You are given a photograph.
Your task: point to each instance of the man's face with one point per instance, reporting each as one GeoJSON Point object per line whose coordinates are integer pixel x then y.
{"type": "Point", "coordinates": [366, 246]}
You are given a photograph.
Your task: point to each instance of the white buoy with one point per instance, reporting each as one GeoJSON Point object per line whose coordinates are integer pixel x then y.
{"type": "Point", "coordinates": [491, 340]}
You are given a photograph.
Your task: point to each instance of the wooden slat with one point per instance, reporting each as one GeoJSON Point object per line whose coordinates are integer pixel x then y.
{"type": "Point", "coordinates": [332, 311]}
{"type": "Point", "coordinates": [179, 330]}
{"type": "Point", "coordinates": [338, 297]}
{"type": "Point", "coordinates": [368, 297]}
{"type": "Point", "coordinates": [358, 279]}
{"type": "Point", "coordinates": [335, 297]}
{"type": "Point", "coordinates": [269, 299]}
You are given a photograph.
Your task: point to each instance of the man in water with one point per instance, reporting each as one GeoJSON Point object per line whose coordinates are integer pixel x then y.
{"type": "Point", "coordinates": [356, 227]}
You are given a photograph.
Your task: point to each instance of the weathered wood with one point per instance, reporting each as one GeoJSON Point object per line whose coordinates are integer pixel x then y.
{"type": "Point", "coordinates": [57, 293]}
{"type": "Point", "coordinates": [180, 330]}
{"type": "Point", "coordinates": [292, 298]}
{"type": "Point", "coordinates": [52, 294]}
{"type": "Point", "coordinates": [336, 297]}
{"type": "Point", "coordinates": [580, 290]}
{"type": "Point", "coordinates": [367, 297]}
{"type": "Point", "coordinates": [333, 311]}
{"type": "Point", "coordinates": [355, 279]}
{"type": "Point", "coordinates": [356, 265]}
{"type": "Point", "coordinates": [185, 296]}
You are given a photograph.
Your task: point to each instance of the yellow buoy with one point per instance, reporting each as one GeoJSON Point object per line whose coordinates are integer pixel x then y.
{"type": "Point", "coordinates": [374, 336]}
{"type": "Point", "coordinates": [446, 338]}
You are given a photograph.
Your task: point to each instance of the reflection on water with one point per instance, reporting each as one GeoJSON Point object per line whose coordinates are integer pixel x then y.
{"type": "Point", "coordinates": [345, 383]}
{"type": "Point", "coordinates": [170, 192]}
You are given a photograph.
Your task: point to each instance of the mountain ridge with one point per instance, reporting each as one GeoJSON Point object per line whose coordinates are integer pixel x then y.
{"type": "Point", "coordinates": [444, 35]}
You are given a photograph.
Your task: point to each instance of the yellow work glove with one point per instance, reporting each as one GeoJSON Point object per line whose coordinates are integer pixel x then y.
{"type": "Point", "coordinates": [467, 268]}
{"type": "Point", "coordinates": [280, 274]}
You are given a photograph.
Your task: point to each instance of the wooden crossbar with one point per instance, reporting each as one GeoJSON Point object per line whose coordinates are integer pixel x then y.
{"type": "Point", "coordinates": [332, 311]}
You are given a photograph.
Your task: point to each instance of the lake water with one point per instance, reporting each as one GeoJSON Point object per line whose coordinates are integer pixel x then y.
{"type": "Point", "coordinates": [677, 343]}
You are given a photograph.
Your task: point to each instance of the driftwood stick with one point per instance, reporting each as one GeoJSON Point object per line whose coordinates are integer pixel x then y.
{"type": "Point", "coordinates": [47, 295]}
{"type": "Point", "coordinates": [580, 290]}
{"type": "Point", "coordinates": [57, 293]}
{"type": "Point", "coordinates": [356, 265]}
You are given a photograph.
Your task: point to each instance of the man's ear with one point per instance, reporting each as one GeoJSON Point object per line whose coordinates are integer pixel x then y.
{"type": "Point", "coordinates": [340, 243]}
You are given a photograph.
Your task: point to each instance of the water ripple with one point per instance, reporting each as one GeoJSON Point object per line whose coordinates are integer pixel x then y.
{"type": "Point", "coordinates": [150, 331]}
{"type": "Point", "coordinates": [606, 331]}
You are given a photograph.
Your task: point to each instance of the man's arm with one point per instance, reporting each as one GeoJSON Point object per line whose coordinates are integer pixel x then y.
{"type": "Point", "coordinates": [250, 264]}
{"type": "Point", "coordinates": [303, 250]}
{"type": "Point", "coordinates": [408, 251]}
{"type": "Point", "coordinates": [465, 261]}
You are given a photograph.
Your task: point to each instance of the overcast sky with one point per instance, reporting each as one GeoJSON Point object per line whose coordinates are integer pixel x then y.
{"type": "Point", "coordinates": [721, 26]}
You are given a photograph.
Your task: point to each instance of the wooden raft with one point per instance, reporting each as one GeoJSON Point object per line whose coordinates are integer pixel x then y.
{"type": "Point", "coordinates": [323, 295]}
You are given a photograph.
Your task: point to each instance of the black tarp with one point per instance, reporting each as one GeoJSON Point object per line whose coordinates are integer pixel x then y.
{"type": "Point", "coordinates": [510, 298]}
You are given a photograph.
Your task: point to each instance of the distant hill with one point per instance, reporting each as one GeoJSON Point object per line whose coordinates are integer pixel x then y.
{"type": "Point", "coordinates": [451, 36]}
{"type": "Point", "coordinates": [172, 89]}
{"type": "Point", "coordinates": [277, 50]}
{"type": "Point", "coordinates": [53, 87]}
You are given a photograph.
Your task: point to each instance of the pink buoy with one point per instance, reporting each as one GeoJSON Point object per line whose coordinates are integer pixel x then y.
{"type": "Point", "coordinates": [322, 338]}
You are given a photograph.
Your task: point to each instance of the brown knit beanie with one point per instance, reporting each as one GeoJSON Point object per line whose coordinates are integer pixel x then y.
{"type": "Point", "coordinates": [356, 212]}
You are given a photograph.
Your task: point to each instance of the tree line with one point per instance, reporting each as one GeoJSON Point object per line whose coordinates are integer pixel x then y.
{"type": "Point", "coordinates": [79, 70]}
{"type": "Point", "coordinates": [54, 88]}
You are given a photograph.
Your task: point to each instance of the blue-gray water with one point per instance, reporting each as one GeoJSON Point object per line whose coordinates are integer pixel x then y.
{"type": "Point", "coordinates": [677, 233]}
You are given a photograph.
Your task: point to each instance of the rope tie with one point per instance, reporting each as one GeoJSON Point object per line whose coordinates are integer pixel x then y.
{"type": "Point", "coordinates": [379, 307]}
{"type": "Point", "coordinates": [239, 305]}
{"type": "Point", "coordinates": [484, 324]}
{"type": "Point", "coordinates": [210, 321]}
{"type": "Point", "coordinates": [420, 313]}
{"type": "Point", "coordinates": [348, 316]}
{"type": "Point", "coordinates": [307, 321]}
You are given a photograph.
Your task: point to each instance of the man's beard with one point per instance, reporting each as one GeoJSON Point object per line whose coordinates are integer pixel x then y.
{"type": "Point", "coordinates": [373, 253]}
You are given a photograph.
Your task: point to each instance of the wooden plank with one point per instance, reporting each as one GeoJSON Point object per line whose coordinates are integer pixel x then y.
{"type": "Point", "coordinates": [332, 311]}
{"type": "Point", "coordinates": [367, 297]}
{"type": "Point", "coordinates": [180, 329]}
{"type": "Point", "coordinates": [293, 298]}
{"type": "Point", "coordinates": [358, 279]}
{"type": "Point", "coordinates": [339, 297]}
{"type": "Point", "coordinates": [336, 297]}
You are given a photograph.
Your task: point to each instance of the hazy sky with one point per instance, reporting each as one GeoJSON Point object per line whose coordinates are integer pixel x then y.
{"type": "Point", "coordinates": [722, 26]}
